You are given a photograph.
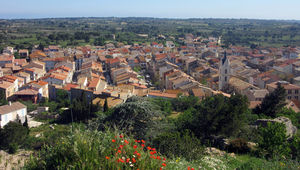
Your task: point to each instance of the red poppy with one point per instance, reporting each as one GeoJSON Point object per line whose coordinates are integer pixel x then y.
{"type": "Point", "coordinates": [133, 160]}
{"type": "Point", "coordinates": [113, 140]}
{"type": "Point", "coordinates": [189, 168]}
{"type": "Point", "coordinates": [134, 146]}
{"type": "Point", "coordinates": [164, 159]}
{"type": "Point", "coordinates": [119, 151]}
{"type": "Point", "coordinates": [143, 141]}
{"type": "Point", "coordinates": [163, 164]}
{"type": "Point", "coordinates": [153, 149]}
{"type": "Point", "coordinates": [127, 160]}
{"type": "Point", "coordinates": [142, 145]}
{"type": "Point", "coordinates": [149, 148]}
{"type": "Point", "coordinates": [121, 146]}
{"type": "Point", "coordinates": [192, 168]}
{"type": "Point", "coordinates": [160, 168]}
{"type": "Point", "coordinates": [121, 160]}
{"type": "Point", "coordinates": [107, 157]}
{"type": "Point", "coordinates": [121, 136]}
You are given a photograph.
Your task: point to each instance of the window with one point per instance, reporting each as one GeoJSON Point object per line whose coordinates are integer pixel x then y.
{"type": "Point", "coordinates": [289, 91]}
{"type": "Point", "coordinates": [225, 79]}
{"type": "Point", "coordinates": [289, 97]}
{"type": "Point", "coordinates": [296, 91]}
{"type": "Point", "coordinates": [296, 97]}
{"type": "Point", "coordinates": [225, 71]}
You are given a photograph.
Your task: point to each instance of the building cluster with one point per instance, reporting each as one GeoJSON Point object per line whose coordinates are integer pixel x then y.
{"type": "Point", "coordinates": [201, 67]}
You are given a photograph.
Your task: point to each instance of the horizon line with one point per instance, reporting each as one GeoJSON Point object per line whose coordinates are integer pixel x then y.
{"type": "Point", "coordinates": [180, 18]}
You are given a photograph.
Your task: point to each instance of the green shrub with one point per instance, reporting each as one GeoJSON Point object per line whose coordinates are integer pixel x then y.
{"type": "Point", "coordinates": [13, 148]}
{"type": "Point", "coordinates": [14, 133]}
{"type": "Point", "coordinates": [238, 145]}
{"type": "Point", "coordinates": [176, 144]}
{"type": "Point", "coordinates": [273, 141]}
{"type": "Point", "coordinates": [97, 150]}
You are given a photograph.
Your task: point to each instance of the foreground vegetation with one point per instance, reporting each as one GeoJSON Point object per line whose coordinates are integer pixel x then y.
{"type": "Point", "coordinates": [143, 134]}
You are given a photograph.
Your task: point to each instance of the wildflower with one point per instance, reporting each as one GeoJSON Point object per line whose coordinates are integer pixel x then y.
{"type": "Point", "coordinates": [107, 157]}
{"type": "Point", "coordinates": [126, 141]}
{"type": "Point", "coordinates": [142, 145]}
{"type": "Point", "coordinates": [163, 164]}
{"type": "Point", "coordinates": [127, 160]}
{"type": "Point", "coordinates": [149, 148]}
{"type": "Point", "coordinates": [119, 151]}
{"type": "Point", "coordinates": [153, 149]}
{"type": "Point", "coordinates": [153, 152]}
{"type": "Point", "coordinates": [113, 140]}
{"type": "Point", "coordinates": [143, 141]}
{"type": "Point", "coordinates": [121, 147]}
{"type": "Point", "coordinates": [121, 160]}
{"type": "Point", "coordinates": [121, 136]}
{"type": "Point", "coordinates": [192, 168]}
{"type": "Point", "coordinates": [134, 146]}
{"type": "Point", "coordinates": [160, 168]}
{"type": "Point", "coordinates": [158, 157]}
{"type": "Point", "coordinates": [131, 165]}
{"type": "Point", "coordinates": [133, 160]}
{"type": "Point", "coordinates": [164, 159]}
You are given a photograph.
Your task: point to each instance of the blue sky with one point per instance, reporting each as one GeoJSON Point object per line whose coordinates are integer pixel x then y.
{"type": "Point", "coordinates": [259, 9]}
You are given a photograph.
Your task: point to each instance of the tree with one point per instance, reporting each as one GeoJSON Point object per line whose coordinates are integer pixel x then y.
{"type": "Point", "coordinates": [273, 140]}
{"type": "Point", "coordinates": [137, 116]}
{"type": "Point", "coordinates": [182, 103]}
{"type": "Point", "coordinates": [272, 103]}
{"type": "Point", "coordinates": [105, 106]}
{"type": "Point", "coordinates": [12, 134]}
{"type": "Point", "coordinates": [99, 41]}
{"type": "Point", "coordinates": [3, 100]}
{"type": "Point", "coordinates": [216, 115]}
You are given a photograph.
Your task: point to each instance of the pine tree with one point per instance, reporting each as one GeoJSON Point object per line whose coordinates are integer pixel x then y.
{"type": "Point", "coordinates": [272, 103]}
{"type": "Point", "coordinates": [105, 106]}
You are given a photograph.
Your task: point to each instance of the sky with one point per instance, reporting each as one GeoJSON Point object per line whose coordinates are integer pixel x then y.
{"type": "Point", "coordinates": [252, 9]}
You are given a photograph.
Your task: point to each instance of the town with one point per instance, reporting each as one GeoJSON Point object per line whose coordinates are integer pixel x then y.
{"type": "Point", "coordinates": [116, 72]}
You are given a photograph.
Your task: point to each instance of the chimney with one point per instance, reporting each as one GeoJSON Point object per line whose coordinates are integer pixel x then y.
{"type": "Point", "coordinates": [9, 103]}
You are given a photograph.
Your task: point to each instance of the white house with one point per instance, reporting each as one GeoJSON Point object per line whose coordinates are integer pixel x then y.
{"type": "Point", "coordinates": [12, 112]}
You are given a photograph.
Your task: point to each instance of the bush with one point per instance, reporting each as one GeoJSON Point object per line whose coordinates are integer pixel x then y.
{"type": "Point", "coordinates": [13, 148]}
{"type": "Point", "coordinates": [137, 116]}
{"type": "Point", "coordinates": [98, 150]}
{"type": "Point", "coordinates": [239, 146]}
{"type": "Point", "coordinates": [273, 141]}
{"type": "Point", "coordinates": [12, 133]}
{"type": "Point", "coordinates": [176, 144]}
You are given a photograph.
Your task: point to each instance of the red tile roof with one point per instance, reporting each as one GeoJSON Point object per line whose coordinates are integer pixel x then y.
{"type": "Point", "coordinates": [69, 86]}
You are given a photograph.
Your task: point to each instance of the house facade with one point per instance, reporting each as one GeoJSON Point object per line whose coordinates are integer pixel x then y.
{"type": "Point", "coordinates": [12, 112]}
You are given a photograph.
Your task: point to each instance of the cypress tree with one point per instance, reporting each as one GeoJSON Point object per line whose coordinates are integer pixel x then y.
{"type": "Point", "coordinates": [105, 106]}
